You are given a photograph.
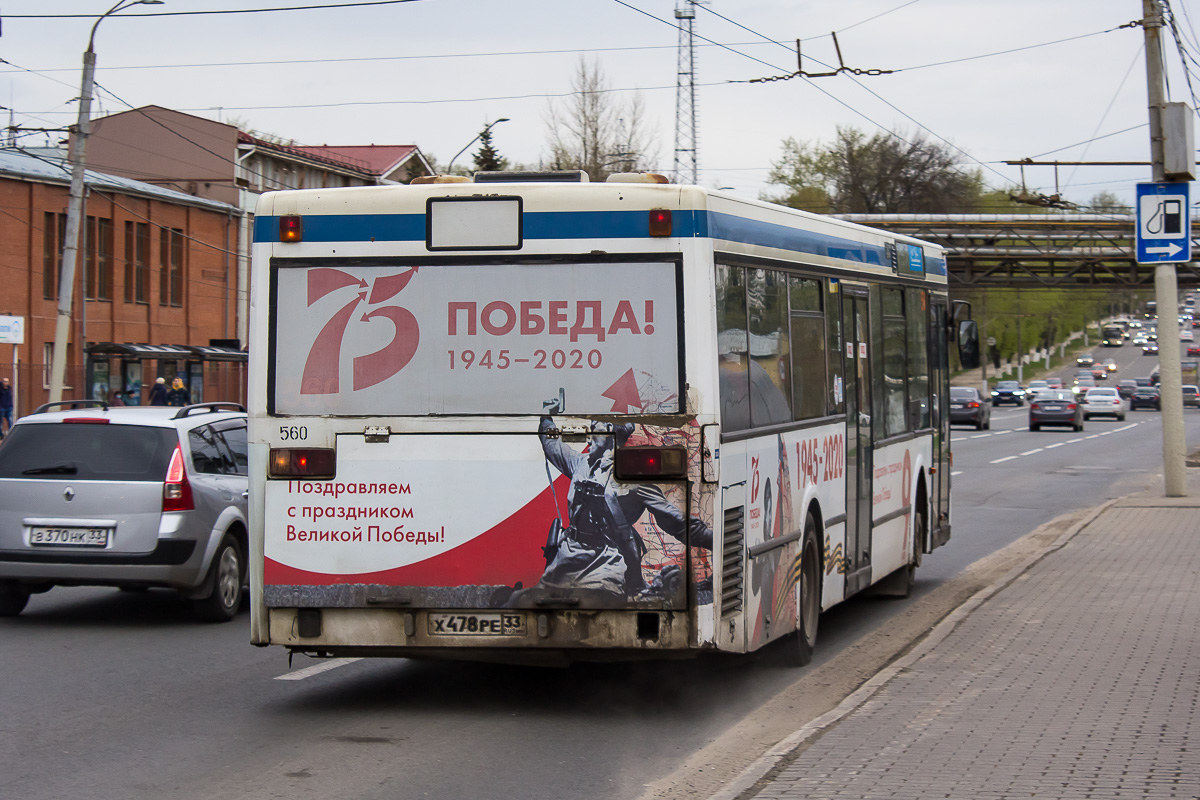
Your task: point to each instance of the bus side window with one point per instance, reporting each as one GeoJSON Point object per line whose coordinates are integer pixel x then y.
{"type": "Point", "coordinates": [809, 367]}
{"type": "Point", "coordinates": [770, 361]}
{"type": "Point", "coordinates": [733, 348]}
{"type": "Point", "coordinates": [918, 359]}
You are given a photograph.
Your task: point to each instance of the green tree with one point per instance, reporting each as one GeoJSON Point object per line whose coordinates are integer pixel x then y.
{"type": "Point", "coordinates": [878, 174]}
{"type": "Point", "coordinates": [487, 159]}
{"type": "Point", "coordinates": [1107, 203]}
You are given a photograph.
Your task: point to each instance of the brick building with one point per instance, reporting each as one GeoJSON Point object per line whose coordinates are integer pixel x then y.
{"type": "Point", "coordinates": [213, 160]}
{"type": "Point", "coordinates": [156, 266]}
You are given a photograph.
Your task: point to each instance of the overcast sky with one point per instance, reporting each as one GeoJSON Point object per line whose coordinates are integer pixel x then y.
{"type": "Point", "coordinates": [433, 72]}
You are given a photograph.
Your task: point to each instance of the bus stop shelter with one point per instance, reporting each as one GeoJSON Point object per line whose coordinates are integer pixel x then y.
{"type": "Point", "coordinates": [127, 370]}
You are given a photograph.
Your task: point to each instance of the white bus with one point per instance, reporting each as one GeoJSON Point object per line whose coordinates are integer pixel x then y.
{"type": "Point", "coordinates": [532, 418]}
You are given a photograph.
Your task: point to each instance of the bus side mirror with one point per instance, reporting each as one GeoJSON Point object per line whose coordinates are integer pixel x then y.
{"type": "Point", "coordinates": [968, 344]}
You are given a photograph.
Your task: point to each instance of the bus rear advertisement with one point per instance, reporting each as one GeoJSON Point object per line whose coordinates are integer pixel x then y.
{"type": "Point", "coordinates": [553, 421]}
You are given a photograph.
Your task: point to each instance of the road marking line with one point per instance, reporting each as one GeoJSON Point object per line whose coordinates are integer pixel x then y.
{"type": "Point", "coordinates": [1056, 444]}
{"type": "Point", "coordinates": [1093, 436]}
{"type": "Point", "coordinates": [980, 436]}
{"type": "Point", "coordinates": [952, 474]}
{"type": "Point", "coordinates": [1031, 452]}
{"type": "Point", "coordinates": [1072, 441]}
{"type": "Point", "coordinates": [1106, 433]}
{"type": "Point", "coordinates": [317, 669]}
{"type": "Point", "coordinates": [1002, 460]}
{"type": "Point", "coordinates": [1127, 427]}
{"type": "Point", "coordinates": [1001, 433]}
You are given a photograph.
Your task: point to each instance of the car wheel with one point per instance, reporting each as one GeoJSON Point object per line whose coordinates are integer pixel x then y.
{"type": "Point", "coordinates": [13, 599]}
{"type": "Point", "coordinates": [995, 404]}
{"type": "Point", "coordinates": [1086, 417]}
{"type": "Point", "coordinates": [1121, 418]}
{"type": "Point", "coordinates": [1034, 427]}
{"type": "Point", "coordinates": [799, 645]}
{"type": "Point", "coordinates": [225, 576]}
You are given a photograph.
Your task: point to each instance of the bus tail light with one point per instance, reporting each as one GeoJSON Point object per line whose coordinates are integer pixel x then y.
{"type": "Point", "coordinates": [313, 462]}
{"type": "Point", "coordinates": [660, 222]}
{"type": "Point", "coordinates": [177, 491]}
{"type": "Point", "coordinates": [636, 463]}
{"type": "Point", "coordinates": [291, 229]}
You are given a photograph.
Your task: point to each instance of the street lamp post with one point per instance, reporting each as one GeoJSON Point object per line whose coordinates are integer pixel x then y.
{"type": "Point", "coordinates": [78, 161]}
{"type": "Point", "coordinates": [473, 141]}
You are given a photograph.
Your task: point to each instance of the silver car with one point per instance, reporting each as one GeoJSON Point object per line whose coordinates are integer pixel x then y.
{"type": "Point", "coordinates": [132, 497]}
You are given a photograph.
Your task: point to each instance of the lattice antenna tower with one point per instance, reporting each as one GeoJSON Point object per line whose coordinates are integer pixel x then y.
{"type": "Point", "coordinates": [686, 169]}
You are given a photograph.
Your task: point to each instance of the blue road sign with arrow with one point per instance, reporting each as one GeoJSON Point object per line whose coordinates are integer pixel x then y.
{"type": "Point", "coordinates": [1164, 224]}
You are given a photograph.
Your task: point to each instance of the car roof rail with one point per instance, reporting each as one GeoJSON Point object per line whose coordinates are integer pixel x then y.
{"type": "Point", "coordinates": [209, 408]}
{"type": "Point", "coordinates": [44, 407]}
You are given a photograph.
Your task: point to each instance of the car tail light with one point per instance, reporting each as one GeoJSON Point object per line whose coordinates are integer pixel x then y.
{"type": "Point", "coordinates": [88, 420]}
{"type": "Point", "coordinates": [1034, 407]}
{"type": "Point", "coordinates": [1071, 406]}
{"type": "Point", "coordinates": [972, 404]}
{"type": "Point", "coordinates": [177, 491]}
{"type": "Point", "coordinates": [632, 463]}
{"type": "Point", "coordinates": [301, 462]}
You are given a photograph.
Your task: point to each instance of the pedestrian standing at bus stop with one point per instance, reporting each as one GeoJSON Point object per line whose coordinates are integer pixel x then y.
{"type": "Point", "coordinates": [158, 393]}
{"type": "Point", "coordinates": [6, 407]}
{"type": "Point", "coordinates": [178, 396]}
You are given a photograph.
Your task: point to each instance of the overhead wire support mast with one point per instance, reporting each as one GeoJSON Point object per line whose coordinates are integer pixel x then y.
{"type": "Point", "coordinates": [687, 167]}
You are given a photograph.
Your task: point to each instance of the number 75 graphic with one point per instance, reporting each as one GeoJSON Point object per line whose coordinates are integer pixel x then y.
{"type": "Point", "coordinates": [323, 365]}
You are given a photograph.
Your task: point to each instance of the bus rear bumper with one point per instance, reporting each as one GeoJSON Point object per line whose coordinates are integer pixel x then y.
{"type": "Point", "coordinates": [508, 635]}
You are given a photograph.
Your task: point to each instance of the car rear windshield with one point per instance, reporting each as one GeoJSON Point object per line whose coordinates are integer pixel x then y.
{"type": "Point", "coordinates": [962, 393]}
{"type": "Point", "coordinates": [87, 452]}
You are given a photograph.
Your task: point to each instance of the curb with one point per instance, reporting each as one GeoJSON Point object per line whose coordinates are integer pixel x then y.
{"type": "Point", "coordinates": [745, 785]}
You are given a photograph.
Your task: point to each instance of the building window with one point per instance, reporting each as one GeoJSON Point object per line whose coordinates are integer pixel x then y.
{"type": "Point", "coordinates": [170, 281]}
{"type": "Point", "coordinates": [54, 233]}
{"type": "Point", "coordinates": [137, 262]}
{"type": "Point", "coordinates": [99, 259]}
{"type": "Point", "coordinates": [47, 366]}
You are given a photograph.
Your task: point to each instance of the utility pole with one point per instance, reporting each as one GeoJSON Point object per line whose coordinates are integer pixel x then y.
{"type": "Point", "coordinates": [70, 252]}
{"type": "Point", "coordinates": [686, 169]}
{"type": "Point", "coordinates": [1165, 281]}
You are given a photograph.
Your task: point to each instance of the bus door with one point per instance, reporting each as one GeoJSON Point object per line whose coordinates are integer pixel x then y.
{"type": "Point", "coordinates": [859, 461]}
{"type": "Point", "coordinates": [939, 521]}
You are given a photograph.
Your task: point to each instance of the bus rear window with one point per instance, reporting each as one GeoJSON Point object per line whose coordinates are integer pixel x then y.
{"type": "Point", "coordinates": [354, 339]}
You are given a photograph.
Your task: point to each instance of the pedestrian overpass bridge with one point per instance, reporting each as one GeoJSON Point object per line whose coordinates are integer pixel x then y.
{"type": "Point", "coordinates": [1033, 250]}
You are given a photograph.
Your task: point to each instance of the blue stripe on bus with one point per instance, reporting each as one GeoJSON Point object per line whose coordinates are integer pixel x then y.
{"type": "Point", "coordinates": [593, 225]}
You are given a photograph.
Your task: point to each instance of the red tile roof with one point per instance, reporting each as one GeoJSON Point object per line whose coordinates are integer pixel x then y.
{"type": "Point", "coordinates": [380, 159]}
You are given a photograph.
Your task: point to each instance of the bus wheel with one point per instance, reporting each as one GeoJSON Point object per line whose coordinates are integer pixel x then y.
{"type": "Point", "coordinates": [800, 646]}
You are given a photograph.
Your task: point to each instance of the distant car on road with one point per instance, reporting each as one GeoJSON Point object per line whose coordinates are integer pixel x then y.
{"type": "Point", "coordinates": [1103, 402]}
{"type": "Point", "coordinates": [1145, 397]}
{"type": "Point", "coordinates": [1127, 387]}
{"type": "Point", "coordinates": [1085, 360]}
{"type": "Point", "coordinates": [967, 407]}
{"type": "Point", "coordinates": [1054, 383]}
{"type": "Point", "coordinates": [1193, 349]}
{"type": "Point", "coordinates": [133, 497]}
{"type": "Point", "coordinates": [1100, 372]}
{"type": "Point", "coordinates": [1008, 392]}
{"type": "Point", "coordinates": [1056, 407]}
{"type": "Point", "coordinates": [1110, 365]}
{"type": "Point", "coordinates": [1150, 349]}
{"type": "Point", "coordinates": [1191, 396]}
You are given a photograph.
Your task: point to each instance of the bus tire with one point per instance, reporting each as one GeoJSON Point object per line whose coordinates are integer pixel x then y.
{"type": "Point", "coordinates": [800, 645]}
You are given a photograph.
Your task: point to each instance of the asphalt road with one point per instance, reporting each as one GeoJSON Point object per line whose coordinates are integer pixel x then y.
{"type": "Point", "coordinates": [119, 696]}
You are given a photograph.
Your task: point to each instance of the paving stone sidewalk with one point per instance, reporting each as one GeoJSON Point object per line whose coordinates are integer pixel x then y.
{"type": "Point", "coordinates": [1080, 679]}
